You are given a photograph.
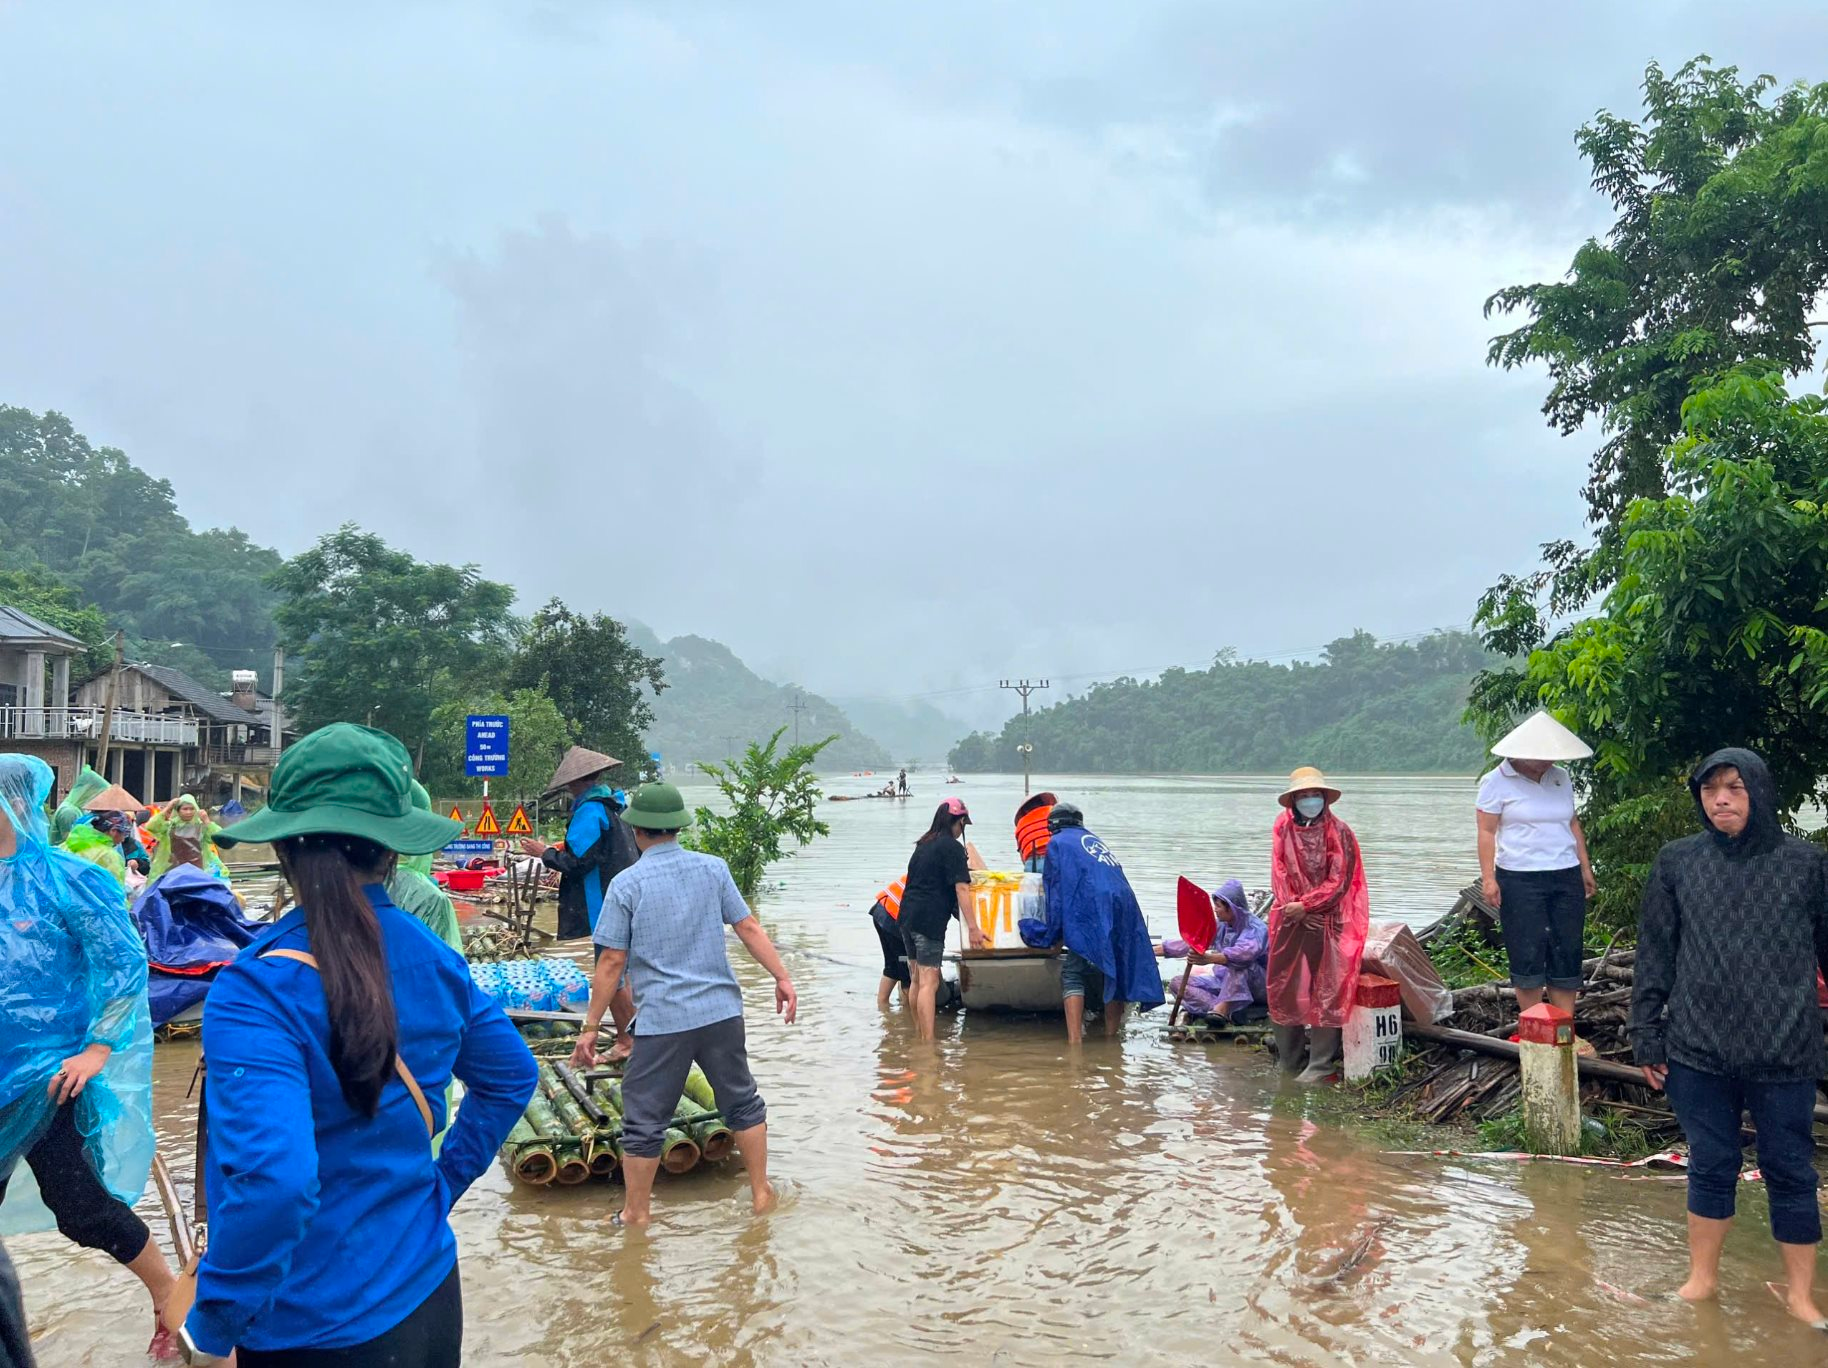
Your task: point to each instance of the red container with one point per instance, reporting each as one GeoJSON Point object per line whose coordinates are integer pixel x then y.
{"type": "Point", "coordinates": [463, 880]}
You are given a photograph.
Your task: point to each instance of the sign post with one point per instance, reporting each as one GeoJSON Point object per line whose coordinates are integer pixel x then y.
{"type": "Point", "coordinates": [485, 752]}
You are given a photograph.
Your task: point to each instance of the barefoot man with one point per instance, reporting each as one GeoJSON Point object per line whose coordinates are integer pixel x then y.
{"type": "Point", "coordinates": [1724, 1013]}
{"type": "Point", "coordinates": [663, 919]}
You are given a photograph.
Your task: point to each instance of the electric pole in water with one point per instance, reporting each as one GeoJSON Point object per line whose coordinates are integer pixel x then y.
{"type": "Point", "coordinates": [1024, 687]}
{"type": "Point", "coordinates": [799, 706]}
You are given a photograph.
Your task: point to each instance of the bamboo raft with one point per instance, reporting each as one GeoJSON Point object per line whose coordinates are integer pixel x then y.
{"type": "Point", "coordinates": [571, 1130]}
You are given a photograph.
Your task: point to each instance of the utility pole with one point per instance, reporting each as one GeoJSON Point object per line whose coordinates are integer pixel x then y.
{"type": "Point", "coordinates": [279, 684]}
{"type": "Point", "coordinates": [114, 684]}
{"type": "Point", "coordinates": [799, 706]}
{"type": "Point", "coordinates": [1024, 687]}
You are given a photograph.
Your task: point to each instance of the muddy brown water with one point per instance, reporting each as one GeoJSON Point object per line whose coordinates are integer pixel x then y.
{"type": "Point", "coordinates": [995, 1199]}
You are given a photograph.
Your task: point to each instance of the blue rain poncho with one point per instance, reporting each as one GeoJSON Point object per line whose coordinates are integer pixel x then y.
{"type": "Point", "coordinates": [1091, 909]}
{"type": "Point", "coordinates": [72, 973]}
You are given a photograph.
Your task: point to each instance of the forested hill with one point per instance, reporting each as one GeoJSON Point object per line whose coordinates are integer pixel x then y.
{"type": "Point", "coordinates": [1365, 707]}
{"type": "Point", "coordinates": [81, 524]}
{"type": "Point", "coordinates": [714, 705]}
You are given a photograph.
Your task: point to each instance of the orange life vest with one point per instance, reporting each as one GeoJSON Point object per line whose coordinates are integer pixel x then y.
{"type": "Point", "coordinates": [1032, 834]}
{"type": "Point", "coordinates": [890, 897]}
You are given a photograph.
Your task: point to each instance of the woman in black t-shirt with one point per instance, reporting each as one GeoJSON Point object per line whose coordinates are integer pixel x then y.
{"type": "Point", "coordinates": [939, 888]}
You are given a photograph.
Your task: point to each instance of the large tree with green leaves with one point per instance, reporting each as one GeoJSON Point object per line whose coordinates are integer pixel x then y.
{"type": "Point", "coordinates": [1714, 631]}
{"type": "Point", "coordinates": [773, 797]}
{"type": "Point", "coordinates": [376, 635]}
{"type": "Point", "coordinates": [600, 680]}
{"type": "Point", "coordinates": [537, 737]}
{"type": "Point", "coordinates": [37, 591]}
{"type": "Point", "coordinates": [1716, 258]}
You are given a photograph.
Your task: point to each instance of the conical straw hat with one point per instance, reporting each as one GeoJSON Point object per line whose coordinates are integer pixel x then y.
{"type": "Point", "coordinates": [1304, 779]}
{"type": "Point", "coordinates": [1541, 737]}
{"type": "Point", "coordinates": [580, 764]}
{"type": "Point", "coordinates": [114, 798]}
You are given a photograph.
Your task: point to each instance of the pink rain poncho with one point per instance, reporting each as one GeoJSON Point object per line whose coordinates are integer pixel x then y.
{"type": "Point", "coordinates": [1313, 963]}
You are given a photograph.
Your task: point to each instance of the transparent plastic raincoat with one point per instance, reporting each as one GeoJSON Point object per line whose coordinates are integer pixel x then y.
{"type": "Point", "coordinates": [69, 812]}
{"type": "Point", "coordinates": [1313, 962]}
{"type": "Point", "coordinates": [72, 973]}
{"type": "Point", "coordinates": [87, 843]}
{"type": "Point", "coordinates": [184, 842]}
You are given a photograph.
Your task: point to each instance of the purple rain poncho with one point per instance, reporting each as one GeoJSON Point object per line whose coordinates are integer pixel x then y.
{"type": "Point", "coordinates": [1236, 983]}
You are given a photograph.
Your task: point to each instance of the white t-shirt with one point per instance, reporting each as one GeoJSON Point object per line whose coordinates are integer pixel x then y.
{"type": "Point", "coordinates": [1535, 818]}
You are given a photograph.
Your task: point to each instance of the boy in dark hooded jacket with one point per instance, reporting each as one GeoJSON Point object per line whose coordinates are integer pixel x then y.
{"type": "Point", "coordinates": [1724, 1012]}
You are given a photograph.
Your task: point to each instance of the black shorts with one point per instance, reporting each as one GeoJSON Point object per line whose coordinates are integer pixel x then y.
{"type": "Point", "coordinates": [1543, 914]}
{"type": "Point", "coordinates": [894, 953]}
{"type": "Point", "coordinates": [924, 950]}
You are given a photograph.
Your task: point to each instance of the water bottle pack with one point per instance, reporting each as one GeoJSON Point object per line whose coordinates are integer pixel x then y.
{"type": "Point", "coordinates": [534, 985]}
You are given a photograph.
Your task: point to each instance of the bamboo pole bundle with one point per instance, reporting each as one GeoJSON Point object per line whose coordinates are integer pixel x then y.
{"type": "Point", "coordinates": [698, 1088]}
{"type": "Point", "coordinates": [715, 1140]}
{"type": "Point", "coordinates": [529, 1155]}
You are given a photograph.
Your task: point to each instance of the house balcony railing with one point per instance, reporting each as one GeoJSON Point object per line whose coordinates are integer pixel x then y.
{"type": "Point", "coordinates": [85, 724]}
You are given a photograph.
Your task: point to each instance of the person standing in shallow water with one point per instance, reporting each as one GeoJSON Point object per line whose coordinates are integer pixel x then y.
{"type": "Point", "coordinates": [1317, 926]}
{"type": "Point", "coordinates": [938, 889]}
{"type": "Point", "coordinates": [1724, 1014]}
{"type": "Point", "coordinates": [663, 922]}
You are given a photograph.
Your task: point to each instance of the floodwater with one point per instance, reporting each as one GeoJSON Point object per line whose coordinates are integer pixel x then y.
{"type": "Point", "coordinates": [996, 1199]}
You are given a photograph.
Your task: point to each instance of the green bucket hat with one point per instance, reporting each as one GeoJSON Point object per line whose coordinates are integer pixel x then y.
{"type": "Point", "coordinates": [345, 780]}
{"type": "Point", "coordinates": [657, 807]}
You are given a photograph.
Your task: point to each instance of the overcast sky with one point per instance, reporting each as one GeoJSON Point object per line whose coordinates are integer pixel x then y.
{"type": "Point", "coordinates": [927, 343]}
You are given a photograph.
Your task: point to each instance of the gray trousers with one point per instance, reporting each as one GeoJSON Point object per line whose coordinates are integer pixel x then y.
{"type": "Point", "coordinates": [655, 1076]}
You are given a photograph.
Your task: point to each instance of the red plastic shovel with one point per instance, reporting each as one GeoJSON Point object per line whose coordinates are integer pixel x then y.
{"type": "Point", "coordinates": [1193, 910]}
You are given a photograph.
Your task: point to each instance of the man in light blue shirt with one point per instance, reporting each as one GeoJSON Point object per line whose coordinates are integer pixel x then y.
{"type": "Point", "coordinates": [663, 920]}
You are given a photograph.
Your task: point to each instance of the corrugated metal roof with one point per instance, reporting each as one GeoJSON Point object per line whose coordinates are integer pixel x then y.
{"type": "Point", "coordinates": [204, 699]}
{"type": "Point", "coordinates": [18, 625]}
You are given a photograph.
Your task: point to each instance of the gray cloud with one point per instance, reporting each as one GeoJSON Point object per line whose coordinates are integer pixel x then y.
{"type": "Point", "coordinates": [927, 343]}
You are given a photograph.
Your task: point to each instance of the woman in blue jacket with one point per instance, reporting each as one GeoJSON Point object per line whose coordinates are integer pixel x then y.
{"type": "Point", "coordinates": [331, 1041]}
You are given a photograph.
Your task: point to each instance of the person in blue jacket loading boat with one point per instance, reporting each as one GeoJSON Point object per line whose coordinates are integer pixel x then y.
{"type": "Point", "coordinates": [1090, 908]}
{"type": "Point", "coordinates": [1724, 1014]}
{"type": "Point", "coordinates": [598, 846]}
{"type": "Point", "coordinates": [663, 922]}
{"type": "Point", "coordinates": [331, 1040]}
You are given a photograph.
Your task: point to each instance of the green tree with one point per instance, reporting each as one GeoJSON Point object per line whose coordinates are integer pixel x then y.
{"type": "Point", "coordinates": [773, 797]}
{"type": "Point", "coordinates": [1715, 629]}
{"type": "Point", "coordinates": [594, 673]}
{"type": "Point", "coordinates": [538, 736]}
{"type": "Point", "coordinates": [378, 635]}
{"type": "Point", "coordinates": [37, 591]}
{"type": "Point", "coordinates": [1716, 258]}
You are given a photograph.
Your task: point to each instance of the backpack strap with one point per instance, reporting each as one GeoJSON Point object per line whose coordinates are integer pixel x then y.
{"type": "Point", "coordinates": [406, 1074]}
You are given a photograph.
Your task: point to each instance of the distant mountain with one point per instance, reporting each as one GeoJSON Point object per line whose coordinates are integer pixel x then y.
{"type": "Point", "coordinates": [911, 730]}
{"type": "Point", "coordinates": [714, 705]}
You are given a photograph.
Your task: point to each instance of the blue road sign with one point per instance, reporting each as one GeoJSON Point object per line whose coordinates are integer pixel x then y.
{"type": "Point", "coordinates": [485, 754]}
{"type": "Point", "coordinates": [464, 850]}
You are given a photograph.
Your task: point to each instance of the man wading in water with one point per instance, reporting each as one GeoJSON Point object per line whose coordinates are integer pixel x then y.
{"type": "Point", "coordinates": [663, 920]}
{"type": "Point", "coordinates": [1724, 1014]}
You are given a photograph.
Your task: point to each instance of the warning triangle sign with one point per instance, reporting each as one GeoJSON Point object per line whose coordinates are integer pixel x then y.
{"type": "Point", "coordinates": [518, 825]}
{"type": "Point", "coordinates": [457, 814]}
{"type": "Point", "coordinates": [485, 824]}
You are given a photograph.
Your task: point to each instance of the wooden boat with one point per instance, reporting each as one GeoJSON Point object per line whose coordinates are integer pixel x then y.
{"type": "Point", "coordinates": [1017, 979]}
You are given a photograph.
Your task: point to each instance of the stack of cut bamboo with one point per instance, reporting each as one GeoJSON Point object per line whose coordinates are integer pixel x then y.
{"type": "Point", "coordinates": [571, 1130]}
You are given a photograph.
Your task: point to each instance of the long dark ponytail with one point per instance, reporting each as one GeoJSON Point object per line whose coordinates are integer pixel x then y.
{"type": "Point", "coordinates": [943, 821]}
{"type": "Point", "coordinates": [327, 873]}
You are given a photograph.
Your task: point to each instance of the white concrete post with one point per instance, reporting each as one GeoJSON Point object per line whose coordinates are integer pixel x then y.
{"type": "Point", "coordinates": [1551, 1081]}
{"type": "Point", "coordinates": [1373, 1037]}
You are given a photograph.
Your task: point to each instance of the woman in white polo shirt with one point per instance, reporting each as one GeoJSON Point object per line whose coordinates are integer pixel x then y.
{"type": "Point", "coordinates": [1534, 859]}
